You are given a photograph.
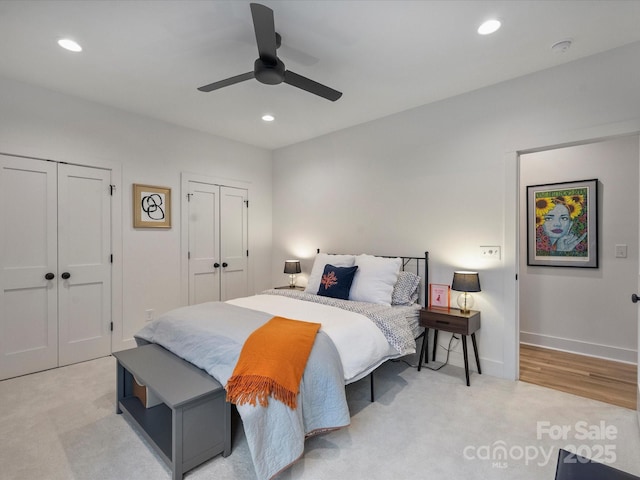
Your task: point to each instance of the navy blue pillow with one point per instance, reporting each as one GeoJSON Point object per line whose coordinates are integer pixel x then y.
{"type": "Point", "coordinates": [336, 281]}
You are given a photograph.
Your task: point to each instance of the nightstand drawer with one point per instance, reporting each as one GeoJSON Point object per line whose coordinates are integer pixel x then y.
{"type": "Point", "coordinates": [445, 322]}
{"type": "Point", "coordinates": [451, 321]}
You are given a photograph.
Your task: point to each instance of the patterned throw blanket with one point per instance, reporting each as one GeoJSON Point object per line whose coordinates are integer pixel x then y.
{"type": "Point", "coordinates": [392, 321]}
{"type": "Point", "coordinates": [272, 362]}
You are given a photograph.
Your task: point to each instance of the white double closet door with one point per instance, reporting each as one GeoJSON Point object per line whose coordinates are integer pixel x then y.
{"type": "Point", "coordinates": [217, 242]}
{"type": "Point", "coordinates": [55, 265]}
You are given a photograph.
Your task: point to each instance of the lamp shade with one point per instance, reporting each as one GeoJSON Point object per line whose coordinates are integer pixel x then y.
{"type": "Point", "coordinates": [292, 266]}
{"type": "Point", "coordinates": [466, 282]}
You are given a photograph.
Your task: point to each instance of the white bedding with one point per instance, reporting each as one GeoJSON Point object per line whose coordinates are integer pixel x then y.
{"type": "Point", "coordinates": [361, 345]}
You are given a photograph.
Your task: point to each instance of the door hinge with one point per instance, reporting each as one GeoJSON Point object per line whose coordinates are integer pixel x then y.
{"type": "Point", "coordinates": [111, 326]}
{"type": "Point", "coordinates": [247, 253]}
{"type": "Point", "coordinates": [189, 255]}
{"type": "Point", "coordinates": [111, 258]}
{"type": "Point", "coordinates": [246, 202]}
{"type": "Point", "coordinates": [112, 188]}
{"type": "Point", "coordinates": [189, 195]}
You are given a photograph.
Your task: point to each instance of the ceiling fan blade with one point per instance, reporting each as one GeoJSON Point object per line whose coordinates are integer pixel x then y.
{"type": "Point", "coordinates": [265, 29]}
{"type": "Point", "coordinates": [227, 82]}
{"type": "Point", "coordinates": [310, 86]}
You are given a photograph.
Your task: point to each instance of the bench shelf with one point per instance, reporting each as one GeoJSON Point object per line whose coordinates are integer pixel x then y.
{"type": "Point", "coordinates": [193, 422]}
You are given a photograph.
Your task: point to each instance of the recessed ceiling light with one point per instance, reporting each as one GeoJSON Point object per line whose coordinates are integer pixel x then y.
{"type": "Point", "coordinates": [70, 45]}
{"type": "Point", "coordinates": [268, 118]}
{"type": "Point", "coordinates": [489, 27]}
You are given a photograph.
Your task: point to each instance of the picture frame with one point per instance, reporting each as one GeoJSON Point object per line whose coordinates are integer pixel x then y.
{"type": "Point", "coordinates": [151, 206]}
{"type": "Point", "coordinates": [439, 296]}
{"type": "Point", "coordinates": [562, 224]}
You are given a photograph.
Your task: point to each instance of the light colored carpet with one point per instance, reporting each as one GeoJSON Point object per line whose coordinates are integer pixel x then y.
{"type": "Point", "coordinates": [61, 424]}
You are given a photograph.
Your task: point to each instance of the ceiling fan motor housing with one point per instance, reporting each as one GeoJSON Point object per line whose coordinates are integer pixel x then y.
{"type": "Point", "coordinates": [268, 72]}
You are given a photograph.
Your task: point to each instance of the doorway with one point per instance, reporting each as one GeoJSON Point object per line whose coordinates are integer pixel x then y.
{"type": "Point", "coordinates": [584, 311]}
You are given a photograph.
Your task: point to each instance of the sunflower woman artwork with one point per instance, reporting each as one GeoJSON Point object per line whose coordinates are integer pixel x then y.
{"type": "Point", "coordinates": [563, 224]}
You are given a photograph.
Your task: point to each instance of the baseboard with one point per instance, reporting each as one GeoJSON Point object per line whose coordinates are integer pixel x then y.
{"type": "Point", "coordinates": [608, 352]}
{"type": "Point", "coordinates": [456, 357]}
{"type": "Point", "coordinates": [488, 366]}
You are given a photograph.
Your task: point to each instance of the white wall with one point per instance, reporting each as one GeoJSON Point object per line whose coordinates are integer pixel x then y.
{"type": "Point", "coordinates": [41, 123]}
{"type": "Point", "coordinates": [586, 310]}
{"type": "Point", "coordinates": [435, 178]}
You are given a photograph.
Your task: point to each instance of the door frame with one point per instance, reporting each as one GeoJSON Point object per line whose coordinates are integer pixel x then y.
{"type": "Point", "coordinates": [185, 178]}
{"type": "Point", "coordinates": [511, 160]}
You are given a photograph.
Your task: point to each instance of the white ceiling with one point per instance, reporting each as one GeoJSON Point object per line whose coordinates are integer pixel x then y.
{"type": "Point", "coordinates": [149, 56]}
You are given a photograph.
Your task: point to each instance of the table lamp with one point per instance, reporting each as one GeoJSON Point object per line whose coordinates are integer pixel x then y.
{"type": "Point", "coordinates": [292, 267]}
{"type": "Point", "coordinates": [465, 282]}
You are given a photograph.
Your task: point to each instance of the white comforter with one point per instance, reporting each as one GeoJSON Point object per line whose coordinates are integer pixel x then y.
{"type": "Point", "coordinates": [361, 345]}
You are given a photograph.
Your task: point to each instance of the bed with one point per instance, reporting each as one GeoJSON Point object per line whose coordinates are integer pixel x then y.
{"type": "Point", "coordinates": [368, 308]}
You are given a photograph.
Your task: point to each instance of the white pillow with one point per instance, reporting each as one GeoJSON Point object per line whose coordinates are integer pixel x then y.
{"type": "Point", "coordinates": [322, 259]}
{"type": "Point", "coordinates": [375, 279]}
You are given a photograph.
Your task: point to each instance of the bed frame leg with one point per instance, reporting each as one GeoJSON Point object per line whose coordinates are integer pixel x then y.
{"type": "Point", "coordinates": [371, 376]}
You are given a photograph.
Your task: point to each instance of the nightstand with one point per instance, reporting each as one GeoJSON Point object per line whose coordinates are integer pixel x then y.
{"type": "Point", "coordinates": [287, 287]}
{"type": "Point", "coordinates": [454, 321]}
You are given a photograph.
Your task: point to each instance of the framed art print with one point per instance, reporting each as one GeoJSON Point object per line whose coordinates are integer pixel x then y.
{"type": "Point", "coordinates": [151, 206]}
{"type": "Point", "coordinates": [439, 296]}
{"type": "Point", "coordinates": [562, 224]}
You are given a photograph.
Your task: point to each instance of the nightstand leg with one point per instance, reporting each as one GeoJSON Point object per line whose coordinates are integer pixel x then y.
{"type": "Point", "coordinates": [466, 359]}
{"type": "Point", "coordinates": [435, 343]}
{"type": "Point", "coordinates": [424, 337]}
{"type": "Point", "coordinates": [475, 350]}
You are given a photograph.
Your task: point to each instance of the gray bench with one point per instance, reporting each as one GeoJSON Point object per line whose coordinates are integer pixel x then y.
{"type": "Point", "coordinates": [192, 425]}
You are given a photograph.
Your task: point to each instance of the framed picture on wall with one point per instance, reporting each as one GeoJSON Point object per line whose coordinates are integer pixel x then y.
{"type": "Point", "coordinates": [151, 206]}
{"type": "Point", "coordinates": [439, 296]}
{"type": "Point", "coordinates": [562, 224]}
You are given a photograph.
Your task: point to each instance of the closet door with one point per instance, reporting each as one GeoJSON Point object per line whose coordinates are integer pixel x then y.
{"type": "Point", "coordinates": [233, 242]}
{"type": "Point", "coordinates": [28, 266]}
{"type": "Point", "coordinates": [84, 250]}
{"type": "Point", "coordinates": [217, 238]}
{"type": "Point", "coordinates": [204, 258]}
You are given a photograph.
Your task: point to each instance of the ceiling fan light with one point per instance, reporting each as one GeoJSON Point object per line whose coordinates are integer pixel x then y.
{"type": "Point", "coordinates": [70, 45]}
{"type": "Point", "coordinates": [489, 27]}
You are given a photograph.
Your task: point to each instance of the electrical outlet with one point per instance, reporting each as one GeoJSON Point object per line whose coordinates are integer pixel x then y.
{"type": "Point", "coordinates": [492, 252]}
{"type": "Point", "coordinates": [148, 314]}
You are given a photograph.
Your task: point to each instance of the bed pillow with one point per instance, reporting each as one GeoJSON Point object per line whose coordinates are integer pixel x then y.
{"type": "Point", "coordinates": [336, 281]}
{"type": "Point", "coordinates": [375, 279]}
{"type": "Point", "coordinates": [322, 259]}
{"type": "Point", "coordinates": [405, 291]}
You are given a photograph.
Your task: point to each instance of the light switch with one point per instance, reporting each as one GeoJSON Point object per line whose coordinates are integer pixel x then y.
{"type": "Point", "coordinates": [621, 251]}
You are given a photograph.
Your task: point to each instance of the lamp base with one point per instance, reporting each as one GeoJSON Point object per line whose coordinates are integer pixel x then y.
{"type": "Point", "coordinates": [465, 302]}
{"type": "Point", "coordinates": [292, 281]}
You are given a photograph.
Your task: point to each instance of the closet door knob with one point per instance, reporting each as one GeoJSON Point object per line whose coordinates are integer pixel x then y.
{"type": "Point", "coordinates": [66, 275]}
{"type": "Point", "coordinates": [216, 265]}
{"type": "Point", "coordinates": [635, 298]}
{"type": "Point", "coordinates": [49, 276]}
{"type": "Point", "coordinates": [225, 264]}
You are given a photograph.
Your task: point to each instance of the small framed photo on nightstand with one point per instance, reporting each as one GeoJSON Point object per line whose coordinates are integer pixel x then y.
{"type": "Point", "coordinates": [439, 296]}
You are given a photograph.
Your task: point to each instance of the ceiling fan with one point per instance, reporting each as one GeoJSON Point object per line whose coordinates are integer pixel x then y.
{"type": "Point", "coordinates": [268, 68]}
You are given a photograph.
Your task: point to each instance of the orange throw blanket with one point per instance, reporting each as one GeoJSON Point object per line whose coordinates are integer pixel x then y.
{"type": "Point", "coordinates": [272, 362]}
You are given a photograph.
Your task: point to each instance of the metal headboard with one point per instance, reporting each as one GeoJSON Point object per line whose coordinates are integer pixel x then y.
{"type": "Point", "coordinates": [424, 274]}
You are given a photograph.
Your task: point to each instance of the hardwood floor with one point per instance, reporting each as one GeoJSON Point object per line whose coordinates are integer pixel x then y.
{"type": "Point", "coordinates": [596, 378]}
